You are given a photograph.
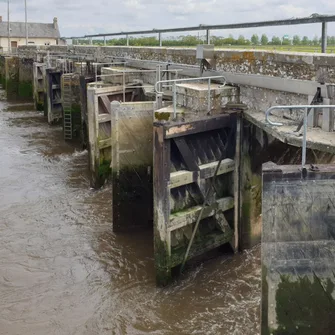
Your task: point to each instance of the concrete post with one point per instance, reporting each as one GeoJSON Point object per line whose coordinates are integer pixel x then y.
{"type": "Point", "coordinates": [104, 40]}
{"type": "Point", "coordinates": [324, 38]}
{"type": "Point", "coordinates": [91, 41]}
{"type": "Point", "coordinates": [208, 37]}
{"type": "Point", "coordinates": [160, 39]}
{"type": "Point", "coordinates": [312, 116]}
{"type": "Point", "coordinates": [127, 40]}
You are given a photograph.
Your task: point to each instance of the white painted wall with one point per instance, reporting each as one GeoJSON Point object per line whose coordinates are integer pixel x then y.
{"type": "Point", "coordinates": [22, 41]}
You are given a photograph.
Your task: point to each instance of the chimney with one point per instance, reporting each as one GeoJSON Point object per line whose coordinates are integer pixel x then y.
{"type": "Point", "coordinates": [55, 23]}
{"type": "Point", "coordinates": [0, 18]}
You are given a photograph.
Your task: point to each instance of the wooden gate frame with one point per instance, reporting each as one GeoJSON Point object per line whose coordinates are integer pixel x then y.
{"type": "Point", "coordinates": [164, 181]}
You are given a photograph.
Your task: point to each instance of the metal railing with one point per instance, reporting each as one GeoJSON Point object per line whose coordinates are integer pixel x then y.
{"type": "Point", "coordinates": [158, 88]}
{"type": "Point", "coordinates": [305, 107]}
{"type": "Point", "coordinates": [314, 18]}
{"type": "Point", "coordinates": [123, 73]}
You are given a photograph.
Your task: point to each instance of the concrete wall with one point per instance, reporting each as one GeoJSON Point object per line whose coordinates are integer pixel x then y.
{"type": "Point", "coordinates": [294, 65]}
{"type": "Point", "coordinates": [298, 250]}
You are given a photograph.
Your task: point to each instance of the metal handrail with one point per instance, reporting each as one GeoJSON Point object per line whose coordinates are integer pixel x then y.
{"type": "Point", "coordinates": [305, 107]}
{"type": "Point", "coordinates": [174, 90]}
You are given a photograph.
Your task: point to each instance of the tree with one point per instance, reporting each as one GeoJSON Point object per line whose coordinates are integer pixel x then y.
{"type": "Point", "coordinates": [305, 41]}
{"type": "Point", "coordinates": [264, 40]}
{"type": "Point", "coordinates": [276, 40]}
{"type": "Point", "coordinates": [241, 40]}
{"type": "Point", "coordinates": [296, 40]}
{"type": "Point", "coordinates": [332, 40]}
{"type": "Point", "coordinates": [255, 39]}
{"type": "Point", "coordinates": [315, 41]}
{"type": "Point", "coordinates": [286, 41]}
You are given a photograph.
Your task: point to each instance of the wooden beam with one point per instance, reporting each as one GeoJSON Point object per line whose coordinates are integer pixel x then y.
{"type": "Point", "coordinates": [213, 241]}
{"type": "Point", "coordinates": [186, 154]}
{"type": "Point", "coordinates": [173, 130]}
{"type": "Point", "coordinates": [105, 143]}
{"type": "Point", "coordinates": [184, 177]}
{"type": "Point", "coordinates": [105, 104]}
{"type": "Point", "coordinates": [190, 215]}
{"type": "Point", "coordinates": [161, 174]}
{"type": "Point", "coordinates": [104, 117]}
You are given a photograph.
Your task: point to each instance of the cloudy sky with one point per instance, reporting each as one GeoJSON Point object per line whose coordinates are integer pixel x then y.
{"type": "Point", "coordinates": [80, 17]}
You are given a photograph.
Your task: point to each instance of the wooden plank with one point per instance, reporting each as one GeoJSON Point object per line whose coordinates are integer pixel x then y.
{"type": "Point", "coordinates": [161, 175]}
{"type": "Point", "coordinates": [104, 118]}
{"type": "Point", "coordinates": [105, 104]}
{"type": "Point", "coordinates": [105, 143]}
{"type": "Point", "coordinates": [173, 130]}
{"type": "Point", "coordinates": [190, 215]}
{"type": "Point", "coordinates": [237, 191]}
{"type": "Point", "coordinates": [184, 177]}
{"type": "Point", "coordinates": [198, 248]}
{"type": "Point", "coordinates": [186, 154]}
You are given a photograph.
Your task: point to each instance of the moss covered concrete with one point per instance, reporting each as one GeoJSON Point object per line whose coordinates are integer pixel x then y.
{"type": "Point", "coordinates": [132, 198]}
{"type": "Point", "coordinates": [304, 306]}
{"type": "Point", "coordinates": [25, 90]}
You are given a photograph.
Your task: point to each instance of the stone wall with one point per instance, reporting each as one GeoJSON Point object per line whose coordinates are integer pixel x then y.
{"type": "Point", "coordinates": [293, 65]}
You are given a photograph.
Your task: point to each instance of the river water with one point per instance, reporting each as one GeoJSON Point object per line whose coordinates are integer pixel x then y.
{"type": "Point", "coordinates": [62, 269]}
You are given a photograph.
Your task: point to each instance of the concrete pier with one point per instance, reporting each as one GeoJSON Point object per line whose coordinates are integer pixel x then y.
{"type": "Point", "coordinates": [298, 249]}
{"type": "Point", "coordinates": [26, 79]}
{"type": "Point", "coordinates": [11, 79]}
{"type": "Point", "coordinates": [132, 165]}
{"type": "Point", "coordinates": [39, 85]}
{"type": "Point", "coordinates": [53, 105]}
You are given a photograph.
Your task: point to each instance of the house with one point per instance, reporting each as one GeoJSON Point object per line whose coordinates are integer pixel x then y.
{"type": "Point", "coordinates": [38, 34]}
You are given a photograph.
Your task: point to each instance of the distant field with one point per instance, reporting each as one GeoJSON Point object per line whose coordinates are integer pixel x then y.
{"type": "Point", "coordinates": [293, 48]}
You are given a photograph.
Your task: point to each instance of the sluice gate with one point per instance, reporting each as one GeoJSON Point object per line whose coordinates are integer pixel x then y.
{"type": "Point", "coordinates": [183, 153]}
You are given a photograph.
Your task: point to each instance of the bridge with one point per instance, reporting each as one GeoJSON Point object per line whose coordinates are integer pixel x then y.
{"type": "Point", "coordinates": [182, 136]}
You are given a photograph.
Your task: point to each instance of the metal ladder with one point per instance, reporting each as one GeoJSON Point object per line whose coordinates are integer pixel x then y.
{"type": "Point", "coordinates": [67, 104]}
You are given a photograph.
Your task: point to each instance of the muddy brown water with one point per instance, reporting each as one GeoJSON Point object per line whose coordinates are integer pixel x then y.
{"type": "Point", "coordinates": [63, 270]}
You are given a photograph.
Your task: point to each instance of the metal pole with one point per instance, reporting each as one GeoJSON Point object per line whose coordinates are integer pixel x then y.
{"type": "Point", "coordinates": [104, 40]}
{"type": "Point", "coordinates": [209, 95]}
{"type": "Point", "coordinates": [9, 46]}
{"type": "Point", "coordinates": [124, 85]}
{"type": "Point", "coordinates": [127, 40]}
{"type": "Point", "coordinates": [304, 142]}
{"type": "Point", "coordinates": [324, 38]}
{"type": "Point", "coordinates": [26, 20]}
{"type": "Point", "coordinates": [160, 39]}
{"type": "Point", "coordinates": [208, 37]}
{"type": "Point", "coordinates": [174, 100]}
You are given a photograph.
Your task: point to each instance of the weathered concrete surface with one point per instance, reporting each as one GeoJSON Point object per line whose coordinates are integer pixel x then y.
{"type": "Point", "coordinates": [26, 78]}
{"type": "Point", "coordinates": [12, 77]}
{"type": "Point", "coordinates": [39, 85]}
{"type": "Point", "coordinates": [316, 138]}
{"type": "Point", "coordinates": [71, 98]}
{"type": "Point", "coordinates": [132, 160]}
{"type": "Point", "coordinates": [259, 146]}
{"type": "Point", "coordinates": [305, 66]}
{"type": "Point", "coordinates": [192, 102]}
{"type": "Point", "coordinates": [298, 250]}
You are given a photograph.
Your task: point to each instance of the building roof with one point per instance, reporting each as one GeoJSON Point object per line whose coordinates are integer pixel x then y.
{"type": "Point", "coordinates": [35, 30]}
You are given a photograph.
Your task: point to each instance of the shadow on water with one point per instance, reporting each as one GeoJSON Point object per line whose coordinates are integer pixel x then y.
{"type": "Point", "coordinates": [63, 270]}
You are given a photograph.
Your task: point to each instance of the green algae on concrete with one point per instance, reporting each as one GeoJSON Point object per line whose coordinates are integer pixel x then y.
{"type": "Point", "coordinates": [25, 90]}
{"type": "Point", "coordinates": [304, 306]}
{"type": "Point", "coordinates": [76, 120]}
{"type": "Point", "coordinates": [132, 198]}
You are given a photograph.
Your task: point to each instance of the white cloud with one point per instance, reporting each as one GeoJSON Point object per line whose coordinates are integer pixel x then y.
{"type": "Point", "coordinates": [80, 17]}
